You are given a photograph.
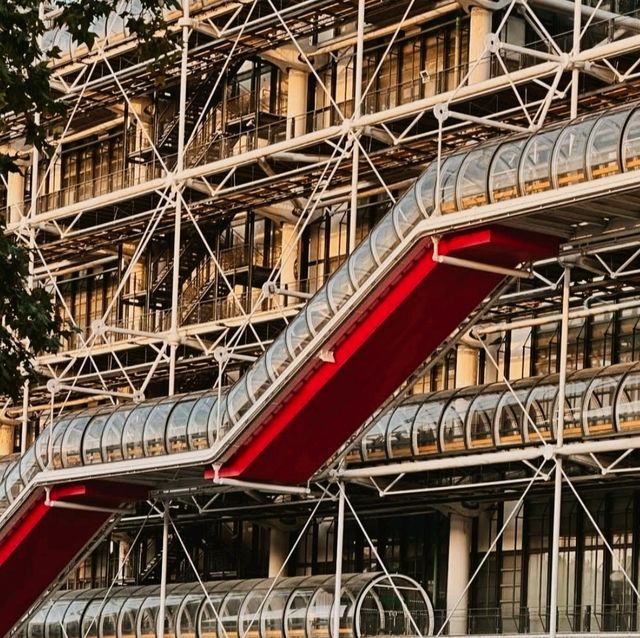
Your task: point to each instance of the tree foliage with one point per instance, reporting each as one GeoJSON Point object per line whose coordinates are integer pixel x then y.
{"type": "Point", "coordinates": [28, 325]}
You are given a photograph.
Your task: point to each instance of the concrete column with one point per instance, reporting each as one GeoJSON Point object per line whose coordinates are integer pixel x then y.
{"type": "Point", "coordinates": [466, 366]}
{"type": "Point", "coordinates": [124, 564]}
{"type": "Point", "coordinates": [6, 440]}
{"type": "Point", "coordinates": [479, 27]}
{"type": "Point", "coordinates": [296, 103]}
{"type": "Point", "coordinates": [458, 572]}
{"type": "Point", "coordinates": [15, 197]}
{"type": "Point", "coordinates": [288, 274]}
{"type": "Point", "coordinates": [278, 550]}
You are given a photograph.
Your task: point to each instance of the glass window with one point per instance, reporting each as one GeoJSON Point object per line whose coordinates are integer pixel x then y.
{"type": "Point", "coordinates": [535, 166]}
{"type": "Point", "coordinates": [631, 143]}
{"type": "Point", "coordinates": [510, 413]}
{"type": "Point", "coordinates": [448, 179]}
{"type": "Point", "coordinates": [399, 430]}
{"type": "Point", "coordinates": [153, 436]}
{"type": "Point", "coordinates": [452, 435]}
{"type": "Point", "coordinates": [132, 434]}
{"type": "Point", "coordinates": [540, 406]}
{"type": "Point", "coordinates": [199, 422]}
{"type": "Point", "coordinates": [92, 442]}
{"type": "Point", "coordinates": [628, 402]}
{"type": "Point", "coordinates": [384, 240]}
{"type": "Point", "coordinates": [407, 213]}
{"type": "Point", "coordinates": [177, 424]}
{"type": "Point", "coordinates": [72, 440]}
{"type": "Point", "coordinates": [426, 188]}
{"type": "Point", "coordinates": [575, 390]}
{"type": "Point", "coordinates": [570, 153]}
{"type": "Point", "coordinates": [503, 174]}
{"type": "Point", "coordinates": [112, 436]}
{"type": "Point", "coordinates": [599, 401]}
{"type": "Point", "coordinates": [375, 439]}
{"type": "Point", "coordinates": [426, 423]}
{"type": "Point", "coordinates": [472, 187]}
{"type": "Point", "coordinates": [480, 418]}
{"type": "Point", "coordinates": [604, 145]}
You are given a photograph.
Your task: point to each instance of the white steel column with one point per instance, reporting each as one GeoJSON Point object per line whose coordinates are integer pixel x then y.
{"type": "Point", "coordinates": [163, 573]}
{"type": "Point", "coordinates": [278, 549]}
{"type": "Point", "coordinates": [557, 492]}
{"type": "Point", "coordinates": [458, 571]}
{"type": "Point", "coordinates": [175, 285]}
{"type": "Point", "coordinates": [357, 99]}
{"type": "Point", "coordinates": [575, 73]}
{"type": "Point", "coordinates": [297, 103]}
{"type": "Point", "coordinates": [479, 28]}
{"type": "Point", "coordinates": [335, 619]}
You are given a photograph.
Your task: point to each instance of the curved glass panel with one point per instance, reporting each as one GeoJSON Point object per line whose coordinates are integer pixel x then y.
{"type": "Point", "coordinates": [177, 424]}
{"type": "Point", "coordinates": [374, 446]}
{"type": "Point", "coordinates": [71, 442]}
{"type": "Point", "coordinates": [92, 441]}
{"type": "Point", "coordinates": [384, 240]}
{"type": "Point", "coordinates": [112, 435]}
{"type": "Point", "coordinates": [628, 402]}
{"type": "Point", "coordinates": [503, 173]}
{"type": "Point", "coordinates": [133, 430]}
{"type": "Point", "coordinates": [448, 179]}
{"type": "Point", "coordinates": [258, 379]}
{"type": "Point", "coordinates": [155, 427]}
{"type": "Point", "coordinates": [599, 401]}
{"type": "Point", "coordinates": [238, 400]}
{"type": "Point", "coordinates": [472, 188]}
{"type": "Point", "coordinates": [535, 165]}
{"type": "Point", "coordinates": [481, 416]}
{"type": "Point", "coordinates": [318, 311]}
{"type": "Point", "coordinates": [570, 155]}
{"type": "Point", "coordinates": [278, 356]}
{"type": "Point", "coordinates": [361, 264]}
{"type": "Point", "coordinates": [452, 434]}
{"type": "Point", "coordinates": [407, 213]}
{"type": "Point", "coordinates": [427, 422]}
{"type": "Point", "coordinates": [510, 414]}
{"type": "Point", "coordinates": [399, 430]}
{"type": "Point", "coordinates": [540, 404]}
{"type": "Point", "coordinates": [198, 425]}
{"type": "Point", "coordinates": [298, 336]}
{"type": "Point", "coordinates": [575, 390]}
{"type": "Point", "coordinates": [603, 153]}
{"type": "Point", "coordinates": [631, 143]}
{"type": "Point", "coordinates": [426, 189]}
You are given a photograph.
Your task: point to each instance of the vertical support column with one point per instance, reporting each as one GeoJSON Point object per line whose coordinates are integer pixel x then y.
{"type": "Point", "coordinates": [575, 73]}
{"type": "Point", "coordinates": [557, 491]}
{"type": "Point", "coordinates": [479, 28]}
{"type": "Point", "coordinates": [278, 549]}
{"type": "Point", "coordinates": [15, 197]}
{"type": "Point", "coordinates": [466, 365]}
{"type": "Point", "coordinates": [335, 619]}
{"type": "Point", "coordinates": [357, 99]}
{"type": "Point", "coordinates": [163, 573]}
{"type": "Point", "coordinates": [297, 103]}
{"type": "Point", "coordinates": [458, 571]}
{"type": "Point", "coordinates": [6, 440]}
{"type": "Point", "coordinates": [290, 257]}
{"type": "Point", "coordinates": [175, 284]}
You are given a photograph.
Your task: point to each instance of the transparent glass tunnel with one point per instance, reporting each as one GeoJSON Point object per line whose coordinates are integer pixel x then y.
{"type": "Point", "coordinates": [371, 604]}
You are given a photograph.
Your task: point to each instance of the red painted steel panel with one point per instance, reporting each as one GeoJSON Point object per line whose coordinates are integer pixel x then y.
{"type": "Point", "coordinates": [40, 541]}
{"type": "Point", "coordinates": [396, 328]}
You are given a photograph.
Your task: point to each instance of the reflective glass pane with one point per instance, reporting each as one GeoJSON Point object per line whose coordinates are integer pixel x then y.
{"type": "Point", "coordinates": [448, 179]}
{"type": "Point", "coordinates": [176, 434]}
{"type": "Point", "coordinates": [575, 391]}
{"type": "Point", "coordinates": [570, 153]}
{"type": "Point", "coordinates": [426, 423]}
{"type": "Point", "coordinates": [238, 399]}
{"type": "Point", "coordinates": [29, 466]}
{"type": "Point", "coordinates": [258, 379]}
{"type": "Point", "coordinates": [481, 416]}
{"type": "Point", "coordinates": [604, 145]}
{"type": "Point", "coordinates": [297, 334]}
{"type": "Point", "coordinates": [278, 357]}
{"type": "Point", "coordinates": [112, 436]}
{"type": "Point", "coordinates": [318, 311]}
{"type": "Point", "coordinates": [384, 240]}
{"type": "Point", "coordinates": [72, 440]}
{"type": "Point", "coordinates": [628, 403]}
{"type": "Point", "coordinates": [599, 404]}
{"type": "Point", "coordinates": [426, 187]}
{"type": "Point", "coordinates": [153, 435]}
{"type": "Point", "coordinates": [375, 439]}
{"type": "Point", "coordinates": [399, 430]}
{"type": "Point", "coordinates": [198, 426]}
{"type": "Point", "coordinates": [92, 442]}
{"type": "Point", "coordinates": [631, 143]}
{"type": "Point", "coordinates": [510, 414]}
{"type": "Point", "coordinates": [535, 166]}
{"type": "Point", "coordinates": [452, 436]}
{"type": "Point", "coordinates": [407, 213]}
{"type": "Point", "coordinates": [361, 264]}
{"type": "Point", "coordinates": [132, 434]}
{"type": "Point", "coordinates": [540, 409]}
{"type": "Point", "coordinates": [503, 174]}
{"type": "Point", "coordinates": [472, 187]}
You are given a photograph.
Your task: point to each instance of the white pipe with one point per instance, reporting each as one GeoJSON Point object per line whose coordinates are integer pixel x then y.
{"type": "Point", "coordinates": [163, 573]}
{"type": "Point", "coordinates": [262, 487]}
{"type": "Point", "coordinates": [540, 321]}
{"type": "Point", "coordinates": [335, 618]}
{"type": "Point", "coordinates": [566, 6]}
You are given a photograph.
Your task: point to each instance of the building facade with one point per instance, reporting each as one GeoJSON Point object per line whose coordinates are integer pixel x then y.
{"type": "Point", "coordinates": [194, 224]}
